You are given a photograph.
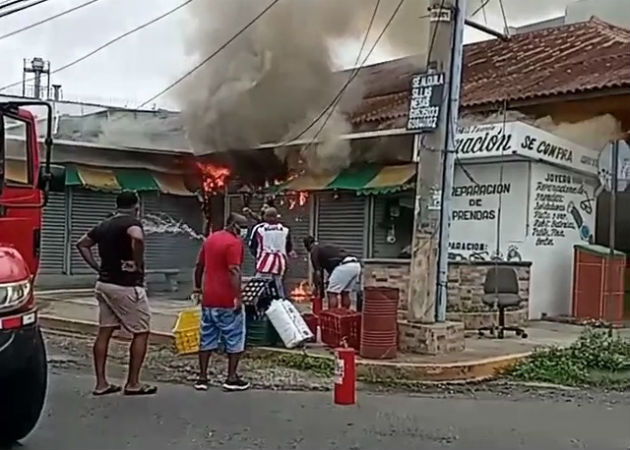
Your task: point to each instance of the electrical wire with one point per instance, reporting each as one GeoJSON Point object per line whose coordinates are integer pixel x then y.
{"type": "Point", "coordinates": [108, 43]}
{"type": "Point", "coordinates": [350, 79]}
{"type": "Point", "coordinates": [8, 3]}
{"type": "Point", "coordinates": [367, 32]}
{"type": "Point", "coordinates": [22, 8]}
{"type": "Point", "coordinates": [356, 63]}
{"type": "Point", "coordinates": [505, 22]}
{"type": "Point", "coordinates": [480, 8]}
{"type": "Point", "coordinates": [206, 60]}
{"type": "Point", "coordinates": [48, 19]}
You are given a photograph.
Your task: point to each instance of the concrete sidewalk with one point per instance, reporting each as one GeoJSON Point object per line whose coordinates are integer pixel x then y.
{"type": "Point", "coordinates": [76, 311]}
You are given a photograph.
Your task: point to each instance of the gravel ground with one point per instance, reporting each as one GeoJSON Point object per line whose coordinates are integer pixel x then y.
{"type": "Point", "coordinates": [73, 353]}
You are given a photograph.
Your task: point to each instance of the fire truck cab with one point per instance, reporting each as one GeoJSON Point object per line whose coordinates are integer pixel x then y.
{"type": "Point", "coordinates": [24, 187]}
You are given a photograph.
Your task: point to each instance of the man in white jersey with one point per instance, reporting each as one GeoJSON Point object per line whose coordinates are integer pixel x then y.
{"type": "Point", "coordinates": [271, 244]}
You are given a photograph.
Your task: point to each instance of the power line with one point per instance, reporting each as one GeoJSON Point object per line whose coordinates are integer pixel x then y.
{"type": "Point", "coordinates": [505, 22]}
{"type": "Point", "coordinates": [8, 3]}
{"type": "Point", "coordinates": [356, 63]}
{"type": "Point", "coordinates": [216, 52]}
{"type": "Point", "coordinates": [350, 79]}
{"type": "Point", "coordinates": [480, 8]}
{"type": "Point", "coordinates": [17, 10]}
{"type": "Point", "coordinates": [367, 32]}
{"type": "Point", "coordinates": [48, 19]}
{"type": "Point", "coordinates": [108, 43]}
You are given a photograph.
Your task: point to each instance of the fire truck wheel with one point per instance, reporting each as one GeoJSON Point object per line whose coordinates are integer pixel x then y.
{"type": "Point", "coordinates": [23, 395]}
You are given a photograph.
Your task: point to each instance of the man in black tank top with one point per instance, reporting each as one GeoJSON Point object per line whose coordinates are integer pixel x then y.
{"type": "Point", "coordinates": [343, 270]}
{"type": "Point", "coordinates": [120, 290]}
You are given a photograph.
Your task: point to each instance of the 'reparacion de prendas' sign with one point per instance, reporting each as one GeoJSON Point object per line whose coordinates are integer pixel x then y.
{"type": "Point", "coordinates": [425, 103]}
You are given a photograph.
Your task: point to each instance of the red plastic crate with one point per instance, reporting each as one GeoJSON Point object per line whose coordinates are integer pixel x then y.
{"type": "Point", "coordinates": [339, 325]}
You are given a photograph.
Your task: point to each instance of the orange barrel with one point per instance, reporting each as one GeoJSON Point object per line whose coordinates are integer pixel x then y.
{"type": "Point", "coordinates": [379, 330]}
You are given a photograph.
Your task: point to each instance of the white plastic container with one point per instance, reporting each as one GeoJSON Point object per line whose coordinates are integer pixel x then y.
{"type": "Point", "coordinates": [292, 330]}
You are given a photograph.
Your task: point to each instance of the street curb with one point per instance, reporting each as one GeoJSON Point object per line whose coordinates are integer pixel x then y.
{"type": "Point", "coordinates": [376, 371]}
{"type": "Point", "coordinates": [55, 323]}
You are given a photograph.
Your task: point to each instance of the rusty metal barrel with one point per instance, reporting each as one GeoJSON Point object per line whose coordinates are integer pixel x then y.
{"type": "Point", "coordinates": [379, 330]}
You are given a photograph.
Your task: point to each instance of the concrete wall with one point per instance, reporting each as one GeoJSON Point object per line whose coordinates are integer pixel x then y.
{"type": "Point", "coordinates": [465, 281]}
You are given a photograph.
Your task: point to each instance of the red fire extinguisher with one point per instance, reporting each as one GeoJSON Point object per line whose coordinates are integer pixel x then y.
{"type": "Point", "coordinates": [345, 377]}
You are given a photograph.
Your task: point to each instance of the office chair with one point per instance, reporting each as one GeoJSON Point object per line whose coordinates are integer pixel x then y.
{"type": "Point", "coordinates": [501, 290]}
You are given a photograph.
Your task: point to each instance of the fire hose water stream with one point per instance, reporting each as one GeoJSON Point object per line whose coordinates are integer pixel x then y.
{"type": "Point", "coordinates": [164, 224]}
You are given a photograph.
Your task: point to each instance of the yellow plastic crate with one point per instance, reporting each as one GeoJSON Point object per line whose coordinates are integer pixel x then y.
{"type": "Point", "coordinates": [186, 331]}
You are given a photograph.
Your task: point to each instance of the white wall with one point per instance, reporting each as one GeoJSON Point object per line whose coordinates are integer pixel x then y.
{"type": "Point", "coordinates": [475, 209]}
{"type": "Point", "coordinates": [537, 223]}
{"type": "Point", "coordinates": [559, 201]}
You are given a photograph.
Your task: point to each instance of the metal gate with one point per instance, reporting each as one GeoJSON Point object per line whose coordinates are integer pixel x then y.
{"type": "Point", "coordinates": [298, 220]}
{"type": "Point", "coordinates": [87, 209]}
{"type": "Point", "coordinates": [175, 244]}
{"type": "Point", "coordinates": [341, 220]}
{"type": "Point", "coordinates": [54, 235]}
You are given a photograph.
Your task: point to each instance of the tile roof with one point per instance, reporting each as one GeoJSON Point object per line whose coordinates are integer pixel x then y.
{"type": "Point", "coordinates": [564, 60]}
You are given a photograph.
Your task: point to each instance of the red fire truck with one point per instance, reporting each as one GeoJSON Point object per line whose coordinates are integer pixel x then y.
{"type": "Point", "coordinates": [24, 187]}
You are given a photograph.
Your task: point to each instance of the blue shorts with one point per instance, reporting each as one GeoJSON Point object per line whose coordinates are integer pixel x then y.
{"type": "Point", "coordinates": [222, 324]}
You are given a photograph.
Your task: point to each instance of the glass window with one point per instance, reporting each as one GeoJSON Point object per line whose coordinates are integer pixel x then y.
{"type": "Point", "coordinates": [393, 225]}
{"type": "Point", "coordinates": [16, 167]}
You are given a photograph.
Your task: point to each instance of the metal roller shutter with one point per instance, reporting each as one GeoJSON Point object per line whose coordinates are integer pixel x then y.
{"type": "Point", "coordinates": [87, 209]}
{"type": "Point", "coordinates": [53, 249]}
{"type": "Point", "coordinates": [172, 250]}
{"type": "Point", "coordinates": [341, 221]}
{"type": "Point", "coordinates": [298, 220]}
{"type": "Point", "coordinates": [235, 204]}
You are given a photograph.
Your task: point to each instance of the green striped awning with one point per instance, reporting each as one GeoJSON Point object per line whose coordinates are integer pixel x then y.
{"type": "Point", "coordinates": [116, 180]}
{"type": "Point", "coordinates": [369, 179]}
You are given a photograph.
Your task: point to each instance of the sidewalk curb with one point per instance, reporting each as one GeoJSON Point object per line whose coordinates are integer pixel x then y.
{"type": "Point", "coordinates": [377, 371]}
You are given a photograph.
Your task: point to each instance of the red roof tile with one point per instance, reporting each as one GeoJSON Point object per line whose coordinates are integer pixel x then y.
{"type": "Point", "coordinates": [574, 58]}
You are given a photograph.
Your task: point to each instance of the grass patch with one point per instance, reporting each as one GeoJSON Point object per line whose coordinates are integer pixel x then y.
{"type": "Point", "coordinates": [597, 358]}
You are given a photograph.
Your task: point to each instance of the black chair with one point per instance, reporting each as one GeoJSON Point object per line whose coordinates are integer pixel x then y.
{"type": "Point", "coordinates": [501, 291]}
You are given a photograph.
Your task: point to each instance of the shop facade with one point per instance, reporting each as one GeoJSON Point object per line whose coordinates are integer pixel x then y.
{"type": "Point", "coordinates": [172, 216]}
{"type": "Point", "coordinates": [522, 197]}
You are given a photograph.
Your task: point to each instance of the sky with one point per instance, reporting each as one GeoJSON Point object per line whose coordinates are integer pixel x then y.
{"type": "Point", "coordinates": [135, 68]}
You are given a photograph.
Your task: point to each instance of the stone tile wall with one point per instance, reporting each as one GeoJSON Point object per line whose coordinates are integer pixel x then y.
{"type": "Point", "coordinates": [465, 282]}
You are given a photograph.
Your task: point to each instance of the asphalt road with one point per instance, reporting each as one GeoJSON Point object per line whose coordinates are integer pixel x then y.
{"type": "Point", "coordinates": [178, 417]}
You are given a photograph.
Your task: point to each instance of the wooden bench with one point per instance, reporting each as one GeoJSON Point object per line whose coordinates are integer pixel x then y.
{"type": "Point", "coordinates": [171, 276]}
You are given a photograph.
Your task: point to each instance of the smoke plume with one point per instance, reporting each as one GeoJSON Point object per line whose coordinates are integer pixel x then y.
{"type": "Point", "coordinates": [273, 80]}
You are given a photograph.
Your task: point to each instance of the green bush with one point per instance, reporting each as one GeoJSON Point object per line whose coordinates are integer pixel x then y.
{"type": "Point", "coordinates": [594, 351]}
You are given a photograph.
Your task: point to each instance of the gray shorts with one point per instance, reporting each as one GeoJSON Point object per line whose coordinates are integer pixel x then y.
{"type": "Point", "coordinates": [346, 277]}
{"type": "Point", "coordinates": [125, 306]}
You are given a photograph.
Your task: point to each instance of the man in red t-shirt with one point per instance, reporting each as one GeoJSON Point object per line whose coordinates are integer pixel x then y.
{"type": "Point", "coordinates": [222, 316]}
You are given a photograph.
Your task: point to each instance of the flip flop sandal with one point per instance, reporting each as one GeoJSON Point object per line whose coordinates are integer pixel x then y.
{"type": "Point", "coordinates": [111, 389]}
{"type": "Point", "coordinates": [145, 389]}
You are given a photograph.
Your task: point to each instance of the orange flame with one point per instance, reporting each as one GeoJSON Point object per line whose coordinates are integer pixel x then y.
{"type": "Point", "coordinates": [299, 199]}
{"type": "Point", "coordinates": [301, 293]}
{"type": "Point", "coordinates": [214, 177]}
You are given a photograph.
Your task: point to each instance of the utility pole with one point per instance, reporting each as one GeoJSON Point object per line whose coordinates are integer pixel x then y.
{"type": "Point", "coordinates": [436, 162]}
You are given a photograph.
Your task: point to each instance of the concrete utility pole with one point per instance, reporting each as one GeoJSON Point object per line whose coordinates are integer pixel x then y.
{"type": "Point", "coordinates": [436, 158]}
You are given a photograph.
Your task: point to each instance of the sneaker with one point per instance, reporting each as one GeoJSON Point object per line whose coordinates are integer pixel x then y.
{"type": "Point", "coordinates": [201, 385]}
{"type": "Point", "coordinates": [236, 385]}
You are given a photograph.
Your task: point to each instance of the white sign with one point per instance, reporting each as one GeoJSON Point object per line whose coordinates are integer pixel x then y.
{"type": "Point", "coordinates": [520, 139]}
{"type": "Point", "coordinates": [483, 197]}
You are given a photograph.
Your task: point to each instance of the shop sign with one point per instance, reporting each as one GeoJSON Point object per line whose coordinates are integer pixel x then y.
{"type": "Point", "coordinates": [521, 139]}
{"type": "Point", "coordinates": [426, 101]}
